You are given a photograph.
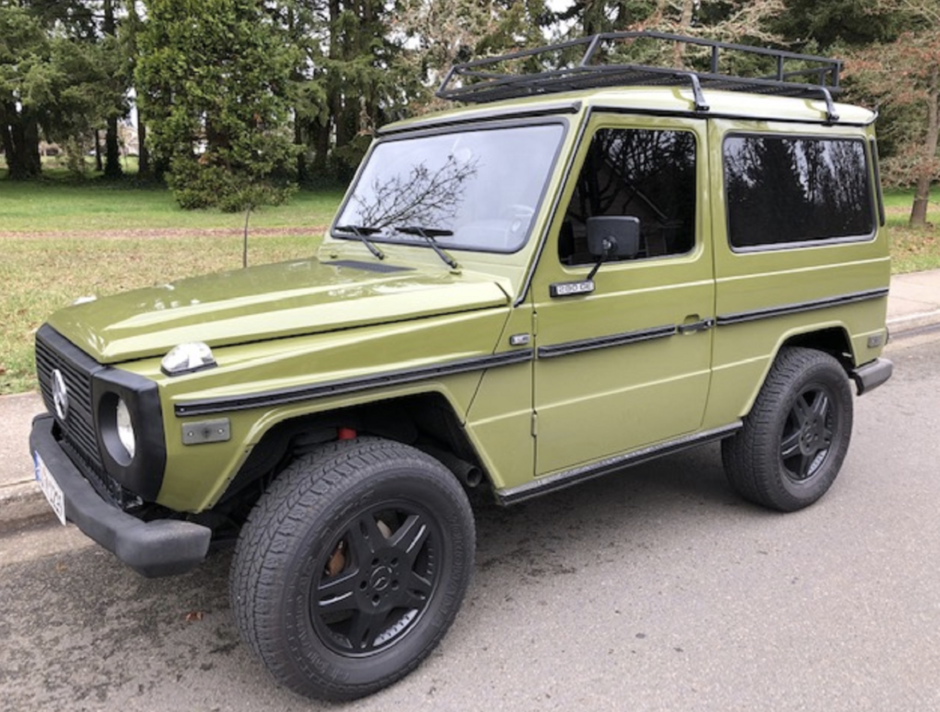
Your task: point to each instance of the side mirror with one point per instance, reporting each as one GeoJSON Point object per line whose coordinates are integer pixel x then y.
{"type": "Point", "coordinates": [613, 236]}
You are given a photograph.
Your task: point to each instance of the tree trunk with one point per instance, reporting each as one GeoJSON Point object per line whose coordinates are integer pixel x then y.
{"type": "Point", "coordinates": [98, 166]}
{"type": "Point", "coordinates": [591, 14]}
{"type": "Point", "coordinates": [112, 165]}
{"type": "Point", "coordinates": [922, 191]}
{"type": "Point", "coordinates": [23, 158]}
{"type": "Point", "coordinates": [334, 92]}
{"type": "Point", "coordinates": [17, 170]}
{"type": "Point", "coordinates": [16, 159]}
{"type": "Point", "coordinates": [299, 119]}
{"type": "Point", "coordinates": [685, 23]}
{"type": "Point", "coordinates": [143, 153]}
{"type": "Point", "coordinates": [921, 202]}
{"type": "Point", "coordinates": [30, 146]}
{"type": "Point", "coordinates": [321, 146]}
{"type": "Point", "coordinates": [19, 133]}
{"type": "Point", "coordinates": [7, 138]}
{"type": "Point", "coordinates": [302, 154]}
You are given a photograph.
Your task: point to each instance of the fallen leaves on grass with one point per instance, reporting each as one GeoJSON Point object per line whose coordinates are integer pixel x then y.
{"type": "Point", "coordinates": [914, 249]}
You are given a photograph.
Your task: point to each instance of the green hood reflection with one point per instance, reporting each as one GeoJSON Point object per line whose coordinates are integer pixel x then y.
{"type": "Point", "coordinates": [266, 302]}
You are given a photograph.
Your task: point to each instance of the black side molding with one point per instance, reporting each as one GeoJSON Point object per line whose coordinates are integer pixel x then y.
{"type": "Point", "coordinates": [567, 478]}
{"type": "Point", "coordinates": [800, 307]}
{"type": "Point", "coordinates": [285, 396]}
{"type": "Point", "coordinates": [603, 342]}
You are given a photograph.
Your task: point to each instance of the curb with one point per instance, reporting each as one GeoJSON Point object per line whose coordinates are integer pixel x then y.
{"type": "Point", "coordinates": [21, 501]}
{"type": "Point", "coordinates": [901, 327]}
{"type": "Point", "coordinates": [20, 497]}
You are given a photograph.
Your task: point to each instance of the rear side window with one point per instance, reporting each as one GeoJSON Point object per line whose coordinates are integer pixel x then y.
{"type": "Point", "coordinates": [783, 190]}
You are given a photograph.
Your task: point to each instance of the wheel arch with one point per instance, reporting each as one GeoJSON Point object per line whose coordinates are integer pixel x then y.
{"type": "Point", "coordinates": [832, 339]}
{"type": "Point", "coordinates": [426, 420]}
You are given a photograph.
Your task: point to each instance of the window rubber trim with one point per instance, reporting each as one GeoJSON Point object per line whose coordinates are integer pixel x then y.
{"type": "Point", "coordinates": [879, 192]}
{"type": "Point", "coordinates": [796, 244]}
{"type": "Point", "coordinates": [496, 123]}
{"type": "Point", "coordinates": [553, 211]}
{"type": "Point", "coordinates": [570, 107]}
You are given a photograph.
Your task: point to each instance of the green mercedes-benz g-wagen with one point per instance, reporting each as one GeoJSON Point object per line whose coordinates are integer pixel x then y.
{"type": "Point", "coordinates": [589, 267]}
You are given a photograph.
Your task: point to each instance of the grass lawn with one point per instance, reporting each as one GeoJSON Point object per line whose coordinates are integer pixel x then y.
{"type": "Point", "coordinates": [61, 240]}
{"type": "Point", "coordinates": [97, 206]}
{"type": "Point", "coordinates": [912, 250]}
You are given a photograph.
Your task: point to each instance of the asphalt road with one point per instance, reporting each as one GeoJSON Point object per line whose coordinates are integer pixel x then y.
{"type": "Point", "coordinates": [654, 589]}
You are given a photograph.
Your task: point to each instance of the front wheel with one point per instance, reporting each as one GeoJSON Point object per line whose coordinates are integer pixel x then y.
{"type": "Point", "coordinates": [352, 567]}
{"type": "Point", "coordinates": [796, 436]}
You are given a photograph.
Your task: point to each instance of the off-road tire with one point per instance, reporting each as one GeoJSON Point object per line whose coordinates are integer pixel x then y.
{"type": "Point", "coordinates": [370, 529]}
{"type": "Point", "coordinates": [795, 438]}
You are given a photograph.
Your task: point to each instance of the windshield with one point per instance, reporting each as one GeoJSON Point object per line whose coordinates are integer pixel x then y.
{"type": "Point", "coordinates": [472, 190]}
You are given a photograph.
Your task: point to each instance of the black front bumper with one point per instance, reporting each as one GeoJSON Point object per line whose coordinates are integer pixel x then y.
{"type": "Point", "coordinates": [159, 548]}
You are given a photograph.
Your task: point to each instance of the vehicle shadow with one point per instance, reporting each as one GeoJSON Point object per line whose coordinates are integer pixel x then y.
{"type": "Point", "coordinates": [656, 504]}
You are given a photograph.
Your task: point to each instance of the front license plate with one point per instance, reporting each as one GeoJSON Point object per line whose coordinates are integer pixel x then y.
{"type": "Point", "coordinates": [49, 487]}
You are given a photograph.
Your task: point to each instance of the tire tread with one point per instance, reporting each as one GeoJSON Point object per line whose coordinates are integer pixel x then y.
{"type": "Point", "coordinates": [751, 456]}
{"type": "Point", "coordinates": [303, 492]}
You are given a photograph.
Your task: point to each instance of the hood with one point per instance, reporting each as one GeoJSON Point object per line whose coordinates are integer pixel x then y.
{"type": "Point", "coordinates": [267, 302]}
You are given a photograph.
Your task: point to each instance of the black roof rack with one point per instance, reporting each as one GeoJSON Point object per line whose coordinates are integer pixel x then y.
{"type": "Point", "coordinates": [603, 60]}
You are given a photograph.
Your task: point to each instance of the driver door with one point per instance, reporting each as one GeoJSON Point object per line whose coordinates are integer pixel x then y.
{"type": "Point", "coordinates": [626, 365]}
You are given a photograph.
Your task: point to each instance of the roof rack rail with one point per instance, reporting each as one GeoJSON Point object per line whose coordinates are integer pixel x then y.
{"type": "Point", "coordinates": [524, 73]}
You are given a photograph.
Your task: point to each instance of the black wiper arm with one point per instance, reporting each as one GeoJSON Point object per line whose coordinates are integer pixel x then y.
{"type": "Point", "coordinates": [362, 232]}
{"type": "Point", "coordinates": [429, 233]}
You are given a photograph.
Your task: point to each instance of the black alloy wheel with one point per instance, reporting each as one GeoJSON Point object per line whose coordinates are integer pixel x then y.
{"type": "Point", "coordinates": [807, 433]}
{"type": "Point", "coordinates": [792, 443]}
{"type": "Point", "coordinates": [375, 584]}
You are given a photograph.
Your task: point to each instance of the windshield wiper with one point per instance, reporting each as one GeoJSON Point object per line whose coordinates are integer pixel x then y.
{"type": "Point", "coordinates": [362, 232]}
{"type": "Point", "coordinates": [429, 233]}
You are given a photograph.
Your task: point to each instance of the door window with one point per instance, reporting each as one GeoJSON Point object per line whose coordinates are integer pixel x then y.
{"type": "Point", "coordinates": [643, 173]}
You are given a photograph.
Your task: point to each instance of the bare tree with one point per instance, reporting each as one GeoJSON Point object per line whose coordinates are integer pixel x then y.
{"type": "Point", "coordinates": [905, 74]}
{"type": "Point", "coordinates": [424, 196]}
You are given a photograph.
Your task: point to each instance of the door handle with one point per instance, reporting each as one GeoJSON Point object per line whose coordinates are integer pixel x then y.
{"type": "Point", "coordinates": [696, 326]}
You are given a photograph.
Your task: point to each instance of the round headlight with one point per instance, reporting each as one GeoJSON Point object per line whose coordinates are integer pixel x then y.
{"type": "Point", "coordinates": [125, 428]}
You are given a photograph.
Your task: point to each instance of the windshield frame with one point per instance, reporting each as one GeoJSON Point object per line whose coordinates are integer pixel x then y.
{"type": "Point", "coordinates": [397, 238]}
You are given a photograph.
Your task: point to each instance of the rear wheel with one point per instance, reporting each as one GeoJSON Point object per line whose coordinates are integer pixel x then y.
{"type": "Point", "coordinates": [796, 436]}
{"type": "Point", "coordinates": [352, 567]}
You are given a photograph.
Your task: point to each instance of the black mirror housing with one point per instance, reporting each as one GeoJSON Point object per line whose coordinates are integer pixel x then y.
{"type": "Point", "coordinates": [613, 237]}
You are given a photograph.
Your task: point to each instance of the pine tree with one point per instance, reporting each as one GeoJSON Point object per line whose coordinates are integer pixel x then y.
{"type": "Point", "coordinates": [26, 67]}
{"type": "Point", "coordinates": [214, 80]}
